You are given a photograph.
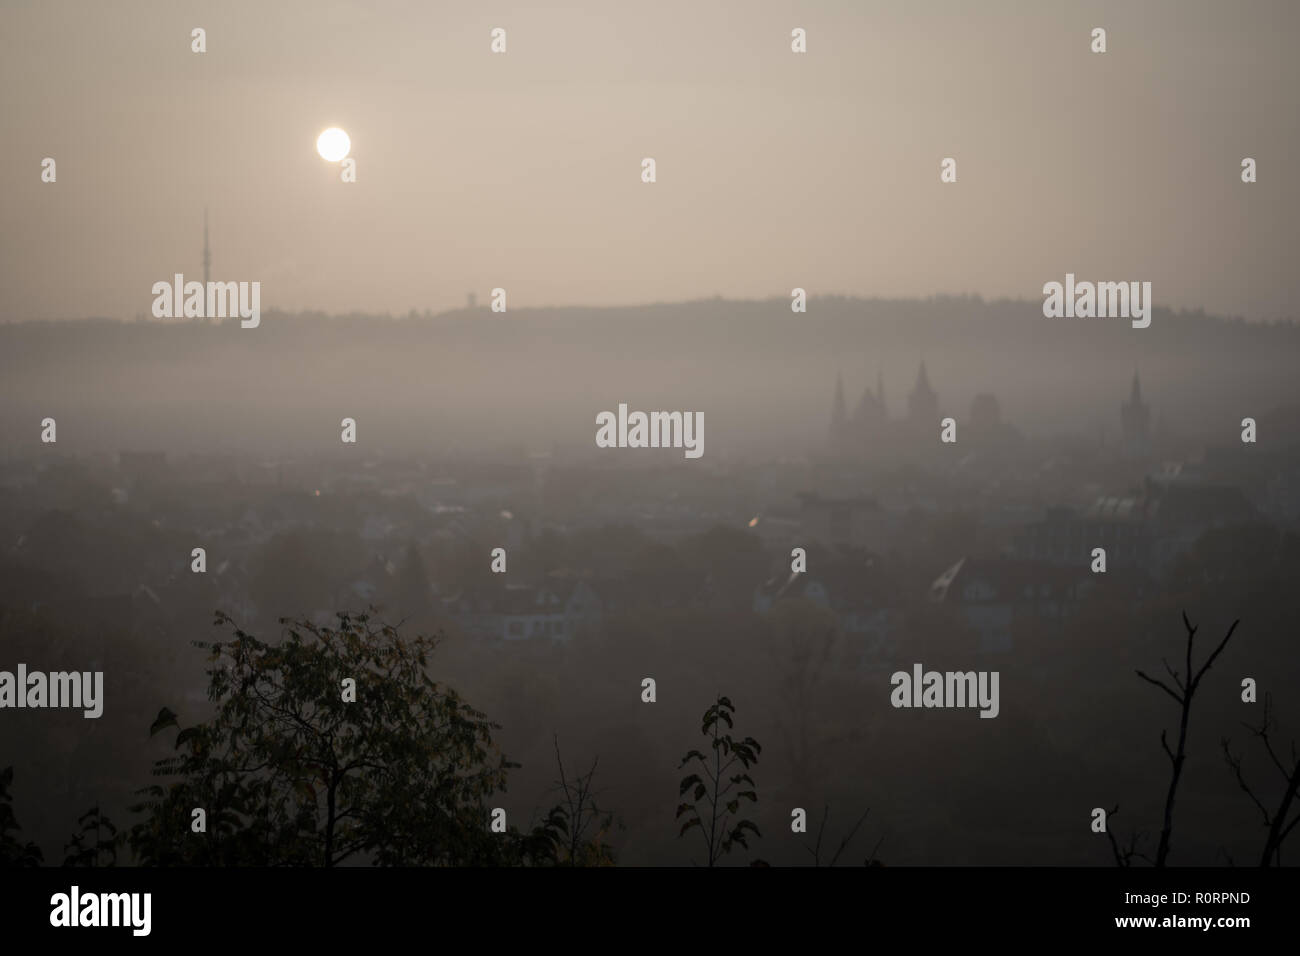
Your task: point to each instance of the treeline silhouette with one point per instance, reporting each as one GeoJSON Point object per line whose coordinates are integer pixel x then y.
{"type": "Point", "coordinates": [335, 746]}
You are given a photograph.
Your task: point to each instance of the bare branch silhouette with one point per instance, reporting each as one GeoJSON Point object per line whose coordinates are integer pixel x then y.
{"type": "Point", "coordinates": [1126, 856]}
{"type": "Point", "coordinates": [816, 849]}
{"type": "Point", "coordinates": [1187, 686]}
{"type": "Point", "coordinates": [580, 811]}
{"type": "Point", "coordinates": [1274, 820]}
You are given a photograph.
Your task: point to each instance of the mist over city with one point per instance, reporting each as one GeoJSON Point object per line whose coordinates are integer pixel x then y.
{"type": "Point", "coordinates": [474, 431]}
{"type": "Point", "coordinates": [742, 434]}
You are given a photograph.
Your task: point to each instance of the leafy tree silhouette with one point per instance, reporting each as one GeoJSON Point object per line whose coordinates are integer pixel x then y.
{"type": "Point", "coordinates": [720, 824]}
{"type": "Point", "coordinates": [13, 852]}
{"type": "Point", "coordinates": [290, 773]}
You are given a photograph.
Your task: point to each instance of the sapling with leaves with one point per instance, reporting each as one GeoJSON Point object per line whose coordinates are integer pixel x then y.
{"type": "Point", "coordinates": [96, 843]}
{"type": "Point", "coordinates": [718, 787]}
{"type": "Point", "coordinates": [13, 851]}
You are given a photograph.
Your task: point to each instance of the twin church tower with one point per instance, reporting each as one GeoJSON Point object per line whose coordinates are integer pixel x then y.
{"type": "Point", "coordinates": [870, 420]}
{"type": "Point", "coordinates": [870, 424]}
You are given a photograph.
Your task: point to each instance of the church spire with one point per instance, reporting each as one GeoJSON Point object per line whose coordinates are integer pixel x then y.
{"type": "Point", "coordinates": [839, 412]}
{"type": "Point", "coordinates": [923, 403]}
{"type": "Point", "coordinates": [922, 379]}
{"type": "Point", "coordinates": [1135, 417]}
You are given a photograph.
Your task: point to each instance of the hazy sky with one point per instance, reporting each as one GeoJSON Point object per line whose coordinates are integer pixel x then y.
{"type": "Point", "coordinates": [522, 170]}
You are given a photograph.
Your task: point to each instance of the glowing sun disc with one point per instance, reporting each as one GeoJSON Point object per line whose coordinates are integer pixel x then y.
{"type": "Point", "coordinates": [333, 144]}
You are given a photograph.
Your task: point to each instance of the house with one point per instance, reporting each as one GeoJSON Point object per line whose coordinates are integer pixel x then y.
{"type": "Point", "coordinates": [855, 521]}
{"type": "Point", "coordinates": [794, 584]}
{"type": "Point", "coordinates": [1066, 537]}
{"type": "Point", "coordinates": [993, 595]}
{"type": "Point", "coordinates": [558, 610]}
{"type": "Point", "coordinates": [855, 592]}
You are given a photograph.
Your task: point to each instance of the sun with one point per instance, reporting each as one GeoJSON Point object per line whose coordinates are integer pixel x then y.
{"type": "Point", "coordinates": [333, 144]}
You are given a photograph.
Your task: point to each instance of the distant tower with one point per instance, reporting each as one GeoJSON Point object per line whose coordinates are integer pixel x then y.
{"type": "Point", "coordinates": [839, 413]}
{"type": "Point", "coordinates": [1135, 417]}
{"type": "Point", "coordinates": [923, 403]}
{"type": "Point", "coordinates": [880, 394]}
{"type": "Point", "coordinates": [207, 254]}
{"type": "Point", "coordinates": [869, 416]}
{"type": "Point", "coordinates": [471, 300]}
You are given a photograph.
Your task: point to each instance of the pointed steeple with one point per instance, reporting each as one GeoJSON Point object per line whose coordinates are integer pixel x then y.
{"type": "Point", "coordinates": [839, 411]}
{"type": "Point", "coordinates": [868, 414]}
{"type": "Point", "coordinates": [923, 403]}
{"type": "Point", "coordinates": [1135, 418]}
